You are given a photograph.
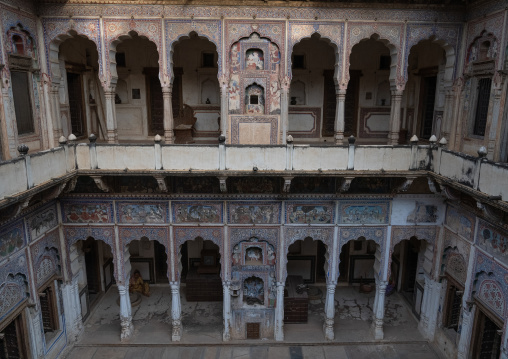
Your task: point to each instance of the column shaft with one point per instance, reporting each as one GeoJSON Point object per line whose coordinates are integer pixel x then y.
{"type": "Point", "coordinates": [279, 312]}
{"type": "Point", "coordinates": [328, 326]}
{"type": "Point", "coordinates": [109, 94]}
{"type": "Point", "coordinates": [339, 116]}
{"type": "Point", "coordinates": [395, 117]}
{"type": "Point", "coordinates": [176, 312]}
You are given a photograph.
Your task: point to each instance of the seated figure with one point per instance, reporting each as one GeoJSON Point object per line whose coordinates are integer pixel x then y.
{"type": "Point", "coordinates": [138, 285]}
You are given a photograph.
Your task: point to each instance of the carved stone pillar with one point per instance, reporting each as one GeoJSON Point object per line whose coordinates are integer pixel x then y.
{"type": "Point", "coordinates": [224, 99]}
{"type": "Point", "coordinates": [328, 326]}
{"type": "Point", "coordinates": [279, 312]}
{"type": "Point", "coordinates": [176, 312]}
{"type": "Point", "coordinates": [379, 310]}
{"type": "Point", "coordinates": [8, 127]}
{"type": "Point", "coordinates": [284, 108]}
{"type": "Point", "coordinates": [125, 312]}
{"type": "Point", "coordinates": [465, 333]}
{"type": "Point", "coordinates": [448, 114]}
{"type": "Point", "coordinates": [169, 136]}
{"type": "Point", "coordinates": [395, 117]}
{"type": "Point", "coordinates": [424, 315]}
{"type": "Point", "coordinates": [339, 115]}
{"type": "Point", "coordinates": [226, 334]}
{"type": "Point", "coordinates": [55, 108]}
{"type": "Point", "coordinates": [112, 132]}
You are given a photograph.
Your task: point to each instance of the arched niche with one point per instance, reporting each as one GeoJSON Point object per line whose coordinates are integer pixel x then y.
{"type": "Point", "coordinates": [253, 291]}
{"type": "Point", "coordinates": [210, 93]}
{"type": "Point", "coordinates": [20, 42]}
{"type": "Point", "coordinates": [253, 252]}
{"type": "Point", "coordinates": [254, 99]}
{"type": "Point", "coordinates": [297, 94]}
{"type": "Point", "coordinates": [254, 59]}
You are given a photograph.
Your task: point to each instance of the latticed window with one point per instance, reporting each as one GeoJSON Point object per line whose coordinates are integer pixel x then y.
{"type": "Point", "coordinates": [482, 106]}
{"type": "Point", "coordinates": [453, 306]}
{"type": "Point", "coordinates": [22, 103]}
{"type": "Point", "coordinates": [48, 310]}
{"type": "Point", "coordinates": [12, 340]}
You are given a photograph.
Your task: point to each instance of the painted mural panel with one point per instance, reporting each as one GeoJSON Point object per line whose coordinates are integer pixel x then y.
{"type": "Point", "coordinates": [42, 221]}
{"type": "Point", "coordinates": [190, 212]}
{"type": "Point", "coordinates": [364, 212]}
{"type": "Point", "coordinates": [131, 212]}
{"type": "Point", "coordinates": [87, 212]}
{"type": "Point", "coordinates": [460, 222]}
{"type": "Point", "coordinates": [254, 213]}
{"type": "Point", "coordinates": [254, 59]}
{"type": "Point", "coordinates": [493, 240]}
{"type": "Point", "coordinates": [423, 213]}
{"type": "Point", "coordinates": [12, 239]}
{"type": "Point", "coordinates": [310, 213]}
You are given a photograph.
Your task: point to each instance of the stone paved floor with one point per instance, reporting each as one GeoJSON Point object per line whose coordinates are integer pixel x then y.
{"type": "Point", "coordinates": [202, 324]}
{"type": "Point", "coordinates": [385, 351]}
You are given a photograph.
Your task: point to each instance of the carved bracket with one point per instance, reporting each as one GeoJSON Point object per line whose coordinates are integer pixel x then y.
{"type": "Point", "coordinates": [287, 184]}
{"type": "Point", "coordinates": [222, 184]}
{"type": "Point", "coordinates": [489, 212]}
{"type": "Point", "coordinates": [406, 184]}
{"type": "Point", "coordinates": [450, 193]}
{"type": "Point", "coordinates": [100, 183]}
{"type": "Point", "coordinates": [433, 186]}
{"type": "Point", "coordinates": [345, 184]}
{"type": "Point", "coordinates": [56, 191]}
{"type": "Point", "coordinates": [161, 182]}
{"type": "Point", "coordinates": [72, 184]}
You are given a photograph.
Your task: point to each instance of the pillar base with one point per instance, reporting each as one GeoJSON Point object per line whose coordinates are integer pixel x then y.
{"type": "Point", "coordinates": [127, 328]}
{"type": "Point", "coordinates": [176, 333]}
{"type": "Point", "coordinates": [328, 329]}
{"type": "Point", "coordinates": [377, 329]}
{"type": "Point", "coordinates": [226, 335]}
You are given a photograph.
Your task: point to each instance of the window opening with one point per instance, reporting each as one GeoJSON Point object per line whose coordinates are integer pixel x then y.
{"type": "Point", "coordinates": [22, 102]}
{"type": "Point", "coordinates": [482, 106]}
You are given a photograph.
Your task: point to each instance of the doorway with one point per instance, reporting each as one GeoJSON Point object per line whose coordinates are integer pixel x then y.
{"type": "Point", "coordinates": [75, 91]}
{"type": "Point", "coordinates": [155, 101]}
{"type": "Point", "coordinates": [427, 102]}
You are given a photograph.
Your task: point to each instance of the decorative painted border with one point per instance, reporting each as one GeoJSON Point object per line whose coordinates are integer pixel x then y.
{"type": "Point", "coordinates": [461, 230]}
{"type": "Point", "coordinates": [365, 113]}
{"type": "Point", "coordinates": [493, 240]}
{"type": "Point", "coordinates": [39, 215]}
{"type": "Point", "coordinates": [108, 206]}
{"type": "Point", "coordinates": [266, 234]}
{"type": "Point", "coordinates": [314, 112]}
{"type": "Point", "coordinates": [275, 205]}
{"type": "Point", "coordinates": [17, 265]}
{"type": "Point", "coordinates": [15, 227]}
{"type": "Point", "coordinates": [37, 249]}
{"type": "Point", "coordinates": [237, 119]}
{"type": "Point", "coordinates": [427, 233]}
{"type": "Point", "coordinates": [292, 204]}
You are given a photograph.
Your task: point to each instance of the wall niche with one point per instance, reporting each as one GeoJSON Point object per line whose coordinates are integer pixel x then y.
{"type": "Point", "coordinates": [254, 59]}
{"type": "Point", "coordinates": [253, 291]}
{"type": "Point", "coordinates": [255, 99]}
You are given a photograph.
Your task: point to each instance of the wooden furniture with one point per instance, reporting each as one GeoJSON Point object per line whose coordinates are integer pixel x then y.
{"type": "Point", "coordinates": [296, 305]}
{"type": "Point", "coordinates": [203, 287]}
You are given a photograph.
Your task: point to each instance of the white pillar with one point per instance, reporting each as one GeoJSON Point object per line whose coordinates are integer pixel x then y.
{"type": "Point", "coordinates": [55, 100]}
{"type": "Point", "coordinates": [176, 312]}
{"type": "Point", "coordinates": [379, 310]}
{"type": "Point", "coordinates": [224, 98]}
{"type": "Point", "coordinates": [9, 128]}
{"type": "Point", "coordinates": [328, 326]}
{"type": "Point", "coordinates": [279, 312]}
{"type": "Point", "coordinates": [395, 117]}
{"type": "Point", "coordinates": [109, 94]}
{"type": "Point", "coordinates": [465, 333]}
{"type": "Point", "coordinates": [226, 334]}
{"type": "Point", "coordinates": [72, 310]}
{"type": "Point", "coordinates": [446, 125]}
{"type": "Point", "coordinates": [424, 318]}
{"type": "Point", "coordinates": [169, 136]}
{"type": "Point", "coordinates": [284, 108]}
{"type": "Point", "coordinates": [125, 312]}
{"type": "Point", "coordinates": [339, 115]}
{"type": "Point", "coordinates": [433, 308]}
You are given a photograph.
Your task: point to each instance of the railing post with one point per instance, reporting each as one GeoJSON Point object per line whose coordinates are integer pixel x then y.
{"type": "Point", "coordinates": [482, 153]}
{"type": "Point", "coordinates": [414, 153]}
{"type": "Point", "coordinates": [442, 144]}
{"type": "Point", "coordinates": [158, 152]}
{"type": "Point", "coordinates": [351, 153]}
{"type": "Point", "coordinates": [93, 152]}
{"type": "Point", "coordinates": [23, 152]}
{"type": "Point", "coordinates": [222, 152]}
{"type": "Point", "coordinates": [289, 153]}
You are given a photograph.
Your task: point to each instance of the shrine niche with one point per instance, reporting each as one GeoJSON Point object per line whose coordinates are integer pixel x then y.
{"type": "Point", "coordinates": [253, 291]}
{"type": "Point", "coordinates": [20, 42]}
{"type": "Point", "coordinates": [254, 59]}
{"type": "Point", "coordinates": [255, 99]}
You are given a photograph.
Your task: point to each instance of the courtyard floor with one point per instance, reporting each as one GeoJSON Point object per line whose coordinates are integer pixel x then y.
{"type": "Point", "coordinates": [202, 331]}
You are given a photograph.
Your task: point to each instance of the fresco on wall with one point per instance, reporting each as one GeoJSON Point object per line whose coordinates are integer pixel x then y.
{"type": "Point", "coordinates": [492, 240]}
{"type": "Point", "coordinates": [253, 184]}
{"type": "Point", "coordinates": [254, 256]}
{"type": "Point", "coordinates": [203, 213]}
{"type": "Point", "coordinates": [254, 213]}
{"type": "Point", "coordinates": [254, 59]}
{"type": "Point", "coordinates": [459, 222]}
{"type": "Point", "coordinates": [196, 185]}
{"type": "Point", "coordinates": [235, 57]}
{"type": "Point", "coordinates": [11, 240]}
{"type": "Point", "coordinates": [234, 94]}
{"type": "Point", "coordinates": [423, 213]}
{"type": "Point", "coordinates": [253, 291]}
{"type": "Point", "coordinates": [141, 213]}
{"type": "Point", "coordinates": [364, 212]}
{"type": "Point", "coordinates": [86, 212]}
{"type": "Point", "coordinates": [309, 214]}
{"type": "Point", "coordinates": [41, 222]}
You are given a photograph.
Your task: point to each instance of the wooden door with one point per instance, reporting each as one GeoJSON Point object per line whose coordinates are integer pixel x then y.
{"type": "Point", "coordinates": [75, 91]}
{"type": "Point", "coordinates": [12, 345]}
{"type": "Point", "coordinates": [329, 104]}
{"type": "Point", "coordinates": [351, 103]}
{"type": "Point", "coordinates": [155, 101]}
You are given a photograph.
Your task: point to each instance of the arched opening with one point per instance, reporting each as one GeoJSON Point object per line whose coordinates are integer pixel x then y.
{"type": "Point", "coordinates": [201, 294]}
{"type": "Point", "coordinates": [92, 264]}
{"type": "Point", "coordinates": [312, 99]}
{"type": "Point", "coordinates": [427, 63]}
{"type": "Point", "coordinates": [195, 88]}
{"type": "Point", "coordinates": [138, 101]}
{"type": "Point", "coordinates": [305, 290]}
{"type": "Point", "coordinates": [368, 96]}
{"type": "Point", "coordinates": [80, 94]}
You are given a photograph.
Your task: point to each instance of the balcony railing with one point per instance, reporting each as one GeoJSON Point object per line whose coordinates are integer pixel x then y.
{"type": "Point", "coordinates": [31, 173]}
